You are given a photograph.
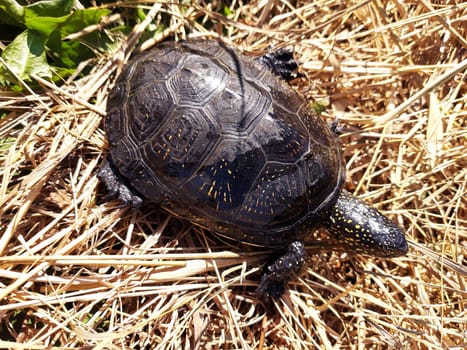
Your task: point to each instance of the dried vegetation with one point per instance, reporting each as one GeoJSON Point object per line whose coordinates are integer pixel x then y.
{"type": "Point", "coordinates": [78, 271]}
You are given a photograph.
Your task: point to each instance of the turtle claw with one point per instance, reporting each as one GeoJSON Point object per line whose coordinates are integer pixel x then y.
{"type": "Point", "coordinates": [282, 63]}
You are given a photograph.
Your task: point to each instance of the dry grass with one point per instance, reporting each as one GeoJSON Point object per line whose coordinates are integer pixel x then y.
{"type": "Point", "coordinates": [77, 271]}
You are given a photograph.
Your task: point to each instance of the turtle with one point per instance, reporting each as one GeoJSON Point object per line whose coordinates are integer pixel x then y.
{"type": "Point", "coordinates": [219, 138]}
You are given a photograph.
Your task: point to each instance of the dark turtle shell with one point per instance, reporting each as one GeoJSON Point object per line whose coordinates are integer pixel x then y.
{"type": "Point", "coordinates": [215, 137]}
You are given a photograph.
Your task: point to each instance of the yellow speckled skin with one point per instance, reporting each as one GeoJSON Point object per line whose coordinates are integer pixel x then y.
{"type": "Point", "coordinates": [363, 229]}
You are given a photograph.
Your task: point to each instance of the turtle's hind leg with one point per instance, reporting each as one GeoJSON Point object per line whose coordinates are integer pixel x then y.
{"type": "Point", "coordinates": [277, 274]}
{"type": "Point", "coordinates": [116, 186]}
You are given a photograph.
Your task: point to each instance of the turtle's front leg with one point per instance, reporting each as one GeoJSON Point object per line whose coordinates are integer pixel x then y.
{"type": "Point", "coordinates": [282, 63]}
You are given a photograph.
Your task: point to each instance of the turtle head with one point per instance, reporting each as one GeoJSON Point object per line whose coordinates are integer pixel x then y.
{"type": "Point", "coordinates": [362, 229]}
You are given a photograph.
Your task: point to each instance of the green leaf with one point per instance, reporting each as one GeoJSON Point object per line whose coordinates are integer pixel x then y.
{"type": "Point", "coordinates": [14, 14]}
{"type": "Point", "coordinates": [47, 16]}
{"type": "Point", "coordinates": [49, 8]}
{"type": "Point", "coordinates": [11, 12]}
{"type": "Point", "coordinates": [44, 25]}
{"type": "Point", "coordinates": [80, 19]}
{"type": "Point", "coordinates": [43, 16]}
{"type": "Point", "coordinates": [24, 56]}
{"type": "Point", "coordinates": [47, 24]}
{"type": "Point", "coordinates": [68, 53]}
{"type": "Point", "coordinates": [6, 143]}
{"type": "Point", "coordinates": [226, 11]}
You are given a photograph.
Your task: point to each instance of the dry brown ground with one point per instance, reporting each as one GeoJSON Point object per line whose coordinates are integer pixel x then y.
{"type": "Point", "coordinates": [77, 271]}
